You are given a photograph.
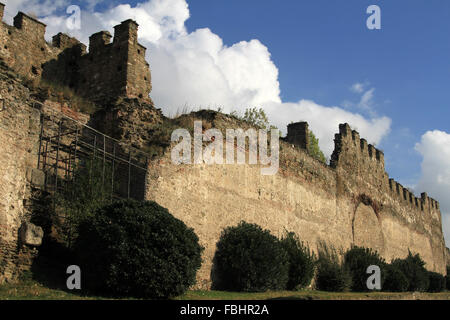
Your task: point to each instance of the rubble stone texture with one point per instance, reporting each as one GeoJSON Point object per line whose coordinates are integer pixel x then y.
{"type": "Point", "coordinates": [352, 201]}
{"type": "Point", "coordinates": [109, 70]}
{"type": "Point", "coordinates": [31, 234]}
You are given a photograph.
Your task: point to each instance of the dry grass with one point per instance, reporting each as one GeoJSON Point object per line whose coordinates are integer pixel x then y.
{"type": "Point", "coordinates": [62, 94]}
{"type": "Point", "coordinates": [312, 295]}
{"type": "Point", "coordinates": [29, 289]}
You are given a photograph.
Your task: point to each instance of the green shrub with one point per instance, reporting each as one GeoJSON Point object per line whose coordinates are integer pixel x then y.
{"type": "Point", "coordinates": [395, 280]}
{"type": "Point", "coordinates": [301, 262]}
{"type": "Point", "coordinates": [357, 260]}
{"type": "Point", "coordinates": [249, 259]}
{"type": "Point", "coordinates": [82, 196]}
{"type": "Point", "coordinates": [413, 268]}
{"type": "Point", "coordinates": [437, 282]}
{"type": "Point", "coordinates": [332, 275]}
{"type": "Point", "coordinates": [137, 249]}
{"type": "Point", "coordinates": [447, 278]}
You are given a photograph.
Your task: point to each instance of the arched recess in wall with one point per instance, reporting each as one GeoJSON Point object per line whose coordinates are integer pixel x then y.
{"type": "Point", "coordinates": [366, 227]}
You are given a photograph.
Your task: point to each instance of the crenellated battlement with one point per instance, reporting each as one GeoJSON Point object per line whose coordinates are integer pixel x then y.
{"type": "Point", "coordinates": [364, 164]}
{"type": "Point", "coordinates": [351, 149]}
{"type": "Point", "coordinates": [98, 41]}
{"type": "Point", "coordinates": [350, 202]}
{"type": "Point", "coordinates": [109, 70]}
{"type": "Point", "coordinates": [63, 41]}
{"type": "Point", "coordinates": [30, 25]}
{"type": "Point", "coordinates": [298, 134]}
{"type": "Point", "coordinates": [404, 195]}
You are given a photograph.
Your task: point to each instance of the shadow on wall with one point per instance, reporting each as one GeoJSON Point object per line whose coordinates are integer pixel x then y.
{"type": "Point", "coordinates": [49, 266]}
{"type": "Point", "coordinates": [366, 224]}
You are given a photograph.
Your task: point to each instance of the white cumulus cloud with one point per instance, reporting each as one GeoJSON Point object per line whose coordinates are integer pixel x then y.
{"type": "Point", "coordinates": [435, 177]}
{"type": "Point", "coordinates": [196, 69]}
{"type": "Point", "coordinates": [38, 8]}
{"type": "Point", "coordinates": [324, 121]}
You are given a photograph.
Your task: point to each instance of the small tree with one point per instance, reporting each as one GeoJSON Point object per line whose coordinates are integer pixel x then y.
{"type": "Point", "coordinates": [314, 149]}
{"type": "Point", "coordinates": [437, 282]}
{"type": "Point", "coordinates": [413, 268]}
{"type": "Point", "coordinates": [395, 280]}
{"type": "Point", "coordinates": [447, 278]}
{"type": "Point", "coordinates": [332, 275]}
{"type": "Point", "coordinates": [301, 261]}
{"type": "Point", "coordinates": [249, 259]}
{"type": "Point", "coordinates": [357, 260]}
{"type": "Point", "coordinates": [256, 117]}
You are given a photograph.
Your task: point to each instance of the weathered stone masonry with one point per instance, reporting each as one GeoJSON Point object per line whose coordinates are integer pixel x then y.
{"type": "Point", "coordinates": [19, 140]}
{"type": "Point", "coordinates": [108, 71]}
{"type": "Point", "coordinates": [350, 201]}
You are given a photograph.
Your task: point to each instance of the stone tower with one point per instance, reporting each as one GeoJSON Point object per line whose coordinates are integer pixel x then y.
{"type": "Point", "coordinates": [107, 71]}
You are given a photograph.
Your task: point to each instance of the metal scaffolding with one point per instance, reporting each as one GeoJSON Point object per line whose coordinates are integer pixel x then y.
{"type": "Point", "coordinates": [65, 145]}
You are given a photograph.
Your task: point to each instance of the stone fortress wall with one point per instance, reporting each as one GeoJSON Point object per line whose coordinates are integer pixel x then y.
{"type": "Point", "coordinates": [352, 201]}
{"type": "Point", "coordinates": [107, 71]}
{"type": "Point", "coordinates": [19, 140]}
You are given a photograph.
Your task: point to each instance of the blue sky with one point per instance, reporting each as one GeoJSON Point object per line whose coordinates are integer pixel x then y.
{"type": "Point", "coordinates": [311, 60]}
{"type": "Point", "coordinates": [322, 47]}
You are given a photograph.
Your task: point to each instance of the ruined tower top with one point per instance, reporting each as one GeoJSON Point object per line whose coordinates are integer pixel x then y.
{"type": "Point", "coordinates": [105, 72]}
{"type": "Point", "coordinates": [2, 10]}
{"type": "Point", "coordinates": [126, 32]}
{"type": "Point", "coordinates": [298, 134]}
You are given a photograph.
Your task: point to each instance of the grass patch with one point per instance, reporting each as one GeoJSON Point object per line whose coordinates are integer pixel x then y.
{"type": "Point", "coordinates": [28, 289]}
{"type": "Point", "coordinates": [61, 93]}
{"type": "Point", "coordinates": [312, 295]}
{"type": "Point", "coordinates": [32, 290]}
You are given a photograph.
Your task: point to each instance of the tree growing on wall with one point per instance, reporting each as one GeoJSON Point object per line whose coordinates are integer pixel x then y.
{"type": "Point", "coordinates": [314, 149]}
{"type": "Point", "coordinates": [255, 117]}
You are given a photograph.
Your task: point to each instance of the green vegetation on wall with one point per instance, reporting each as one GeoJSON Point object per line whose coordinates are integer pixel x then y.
{"type": "Point", "coordinates": [314, 149]}
{"type": "Point", "coordinates": [89, 189]}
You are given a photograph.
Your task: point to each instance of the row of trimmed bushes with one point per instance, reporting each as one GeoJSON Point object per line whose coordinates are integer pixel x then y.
{"type": "Point", "coordinates": [139, 249]}
{"type": "Point", "coordinates": [249, 258]}
{"type": "Point", "coordinates": [401, 275]}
